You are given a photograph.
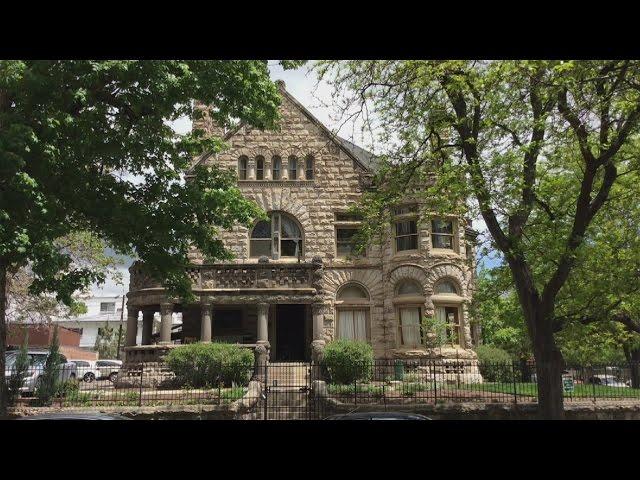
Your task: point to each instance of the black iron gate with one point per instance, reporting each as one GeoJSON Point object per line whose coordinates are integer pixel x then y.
{"type": "Point", "coordinates": [288, 393]}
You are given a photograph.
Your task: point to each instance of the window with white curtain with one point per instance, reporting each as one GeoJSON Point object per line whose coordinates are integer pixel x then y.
{"type": "Point", "coordinates": [352, 324]}
{"type": "Point", "coordinates": [353, 313]}
{"type": "Point", "coordinates": [409, 326]}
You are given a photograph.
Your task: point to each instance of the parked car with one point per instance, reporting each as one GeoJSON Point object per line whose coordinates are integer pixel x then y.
{"type": "Point", "coordinates": [87, 370]}
{"type": "Point", "coordinates": [108, 369]}
{"type": "Point", "coordinates": [37, 360]}
{"type": "Point", "coordinates": [378, 416]}
{"type": "Point", "coordinates": [608, 381]}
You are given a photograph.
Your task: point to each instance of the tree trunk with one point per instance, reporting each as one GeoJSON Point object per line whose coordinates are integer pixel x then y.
{"type": "Point", "coordinates": [3, 336]}
{"type": "Point", "coordinates": [549, 367]}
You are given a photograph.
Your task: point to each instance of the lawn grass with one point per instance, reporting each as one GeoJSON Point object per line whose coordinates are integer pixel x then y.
{"type": "Point", "coordinates": [530, 389]}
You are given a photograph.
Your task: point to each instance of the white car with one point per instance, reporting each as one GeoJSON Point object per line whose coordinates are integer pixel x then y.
{"type": "Point", "coordinates": [37, 360]}
{"type": "Point", "coordinates": [608, 381]}
{"type": "Point", "coordinates": [87, 370]}
{"type": "Point", "coordinates": [108, 369]}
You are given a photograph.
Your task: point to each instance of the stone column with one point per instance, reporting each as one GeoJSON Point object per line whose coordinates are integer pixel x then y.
{"type": "Point", "coordinates": [284, 169]}
{"type": "Point", "coordinates": [147, 326]}
{"type": "Point", "coordinates": [166, 311]}
{"type": "Point", "coordinates": [251, 169]}
{"type": "Point", "coordinates": [132, 326]}
{"type": "Point", "coordinates": [263, 324]}
{"type": "Point", "coordinates": [205, 322]}
{"type": "Point", "coordinates": [318, 343]}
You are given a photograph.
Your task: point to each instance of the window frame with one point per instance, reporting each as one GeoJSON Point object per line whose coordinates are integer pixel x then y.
{"type": "Point", "coordinates": [452, 235]}
{"type": "Point", "coordinates": [260, 164]}
{"type": "Point", "coordinates": [353, 303]}
{"type": "Point", "coordinates": [276, 161]}
{"type": "Point", "coordinates": [400, 327]}
{"type": "Point", "coordinates": [108, 310]}
{"type": "Point", "coordinates": [396, 237]}
{"type": "Point", "coordinates": [458, 326]}
{"type": "Point", "coordinates": [309, 160]}
{"type": "Point", "coordinates": [243, 167]}
{"type": "Point", "coordinates": [403, 213]}
{"type": "Point", "coordinates": [293, 160]}
{"type": "Point", "coordinates": [276, 238]}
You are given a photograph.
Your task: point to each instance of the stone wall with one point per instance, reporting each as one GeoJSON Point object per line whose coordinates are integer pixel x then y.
{"type": "Point", "coordinates": [336, 186]}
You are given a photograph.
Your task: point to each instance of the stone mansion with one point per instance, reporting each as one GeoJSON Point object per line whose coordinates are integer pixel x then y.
{"type": "Point", "coordinates": [295, 284]}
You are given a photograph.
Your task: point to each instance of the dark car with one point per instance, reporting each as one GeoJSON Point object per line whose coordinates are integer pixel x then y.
{"type": "Point", "coordinates": [378, 416]}
{"type": "Point", "coordinates": [75, 416]}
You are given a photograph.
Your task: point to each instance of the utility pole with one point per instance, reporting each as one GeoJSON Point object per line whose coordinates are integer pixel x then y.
{"type": "Point", "coordinates": [120, 327]}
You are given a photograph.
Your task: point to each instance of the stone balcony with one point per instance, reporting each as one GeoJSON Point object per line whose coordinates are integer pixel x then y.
{"type": "Point", "coordinates": [263, 277]}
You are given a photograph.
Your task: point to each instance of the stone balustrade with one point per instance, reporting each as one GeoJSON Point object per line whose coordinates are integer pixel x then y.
{"type": "Point", "coordinates": [221, 277]}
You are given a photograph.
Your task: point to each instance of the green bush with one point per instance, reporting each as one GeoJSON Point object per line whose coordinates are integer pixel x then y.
{"type": "Point", "coordinates": [496, 365]}
{"type": "Point", "coordinates": [347, 361]}
{"type": "Point", "coordinates": [210, 364]}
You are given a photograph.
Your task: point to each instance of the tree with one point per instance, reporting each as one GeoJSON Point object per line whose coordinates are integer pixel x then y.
{"type": "Point", "coordinates": [500, 133]}
{"type": "Point", "coordinates": [107, 341]}
{"type": "Point", "coordinates": [87, 146]}
{"type": "Point", "coordinates": [48, 383]}
{"type": "Point", "coordinates": [86, 251]}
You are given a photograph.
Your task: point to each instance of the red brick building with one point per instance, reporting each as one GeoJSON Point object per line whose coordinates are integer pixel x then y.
{"type": "Point", "coordinates": [40, 337]}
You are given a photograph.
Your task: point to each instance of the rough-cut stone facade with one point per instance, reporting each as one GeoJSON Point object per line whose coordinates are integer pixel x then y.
{"type": "Point", "coordinates": [338, 184]}
{"type": "Point", "coordinates": [257, 287]}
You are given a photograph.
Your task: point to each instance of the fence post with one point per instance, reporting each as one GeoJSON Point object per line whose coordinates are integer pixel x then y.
{"type": "Point", "coordinates": [513, 372]}
{"type": "Point", "coordinates": [266, 391]}
{"type": "Point", "coordinates": [593, 386]}
{"type": "Point", "coordinates": [141, 376]}
{"type": "Point", "coordinates": [435, 384]}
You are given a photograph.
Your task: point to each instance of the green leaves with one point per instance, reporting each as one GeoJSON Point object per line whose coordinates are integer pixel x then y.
{"type": "Point", "coordinates": [85, 146]}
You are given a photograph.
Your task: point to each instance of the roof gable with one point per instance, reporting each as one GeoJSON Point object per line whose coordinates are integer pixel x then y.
{"type": "Point", "coordinates": [366, 160]}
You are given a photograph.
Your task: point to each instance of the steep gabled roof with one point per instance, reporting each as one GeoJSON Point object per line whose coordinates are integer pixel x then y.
{"type": "Point", "coordinates": [365, 159]}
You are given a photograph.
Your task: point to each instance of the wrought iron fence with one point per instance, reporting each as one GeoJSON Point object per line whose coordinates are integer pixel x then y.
{"type": "Point", "coordinates": [296, 389]}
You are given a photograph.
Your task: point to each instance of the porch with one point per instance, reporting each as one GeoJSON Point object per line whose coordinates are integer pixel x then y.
{"type": "Point", "coordinates": [276, 306]}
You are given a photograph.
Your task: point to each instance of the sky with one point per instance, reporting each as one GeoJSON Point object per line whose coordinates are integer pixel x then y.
{"type": "Point", "coordinates": [315, 96]}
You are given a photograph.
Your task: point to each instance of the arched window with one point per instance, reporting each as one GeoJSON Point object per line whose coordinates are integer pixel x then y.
{"type": "Point", "coordinates": [408, 287]}
{"type": "Point", "coordinates": [293, 168]}
{"type": "Point", "coordinates": [409, 300]}
{"type": "Point", "coordinates": [260, 168]}
{"type": "Point", "coordinates": [309, 167]}
{"type": "Point", "coordinates": [352, 305]}
{"type": "Point", "coordinates": [276, 165]}
{"type": "Point", "coordinates": [446, 287]}
{"type": "Point", "coordinates": [242, 167]}
{"type": "Point", "coordinates": [280, 236]}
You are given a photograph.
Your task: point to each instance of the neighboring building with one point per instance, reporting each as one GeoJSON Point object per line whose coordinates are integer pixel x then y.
{"type": "Point", "coordinates": [102, 311]}
{"type": "Point", "coordinates": [295, 285]}
{"type": "Point", "coordinates": [40, 336]}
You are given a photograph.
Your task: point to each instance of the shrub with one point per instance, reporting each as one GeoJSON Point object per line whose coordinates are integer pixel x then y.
{"type": "Point", "coordinates": [348, 361]}
{"type": "Point", "coordinates": [496, 365]}
{"type": "Point", "coordinates": [48, 383]}
{"type": "Point", "coordinates": [19, 371]}
{"type": "Point", "coordinates": [208, 364]}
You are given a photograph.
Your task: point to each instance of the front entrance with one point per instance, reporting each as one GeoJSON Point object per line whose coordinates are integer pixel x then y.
{"type": "Point", "coordinates": [290, 333]}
